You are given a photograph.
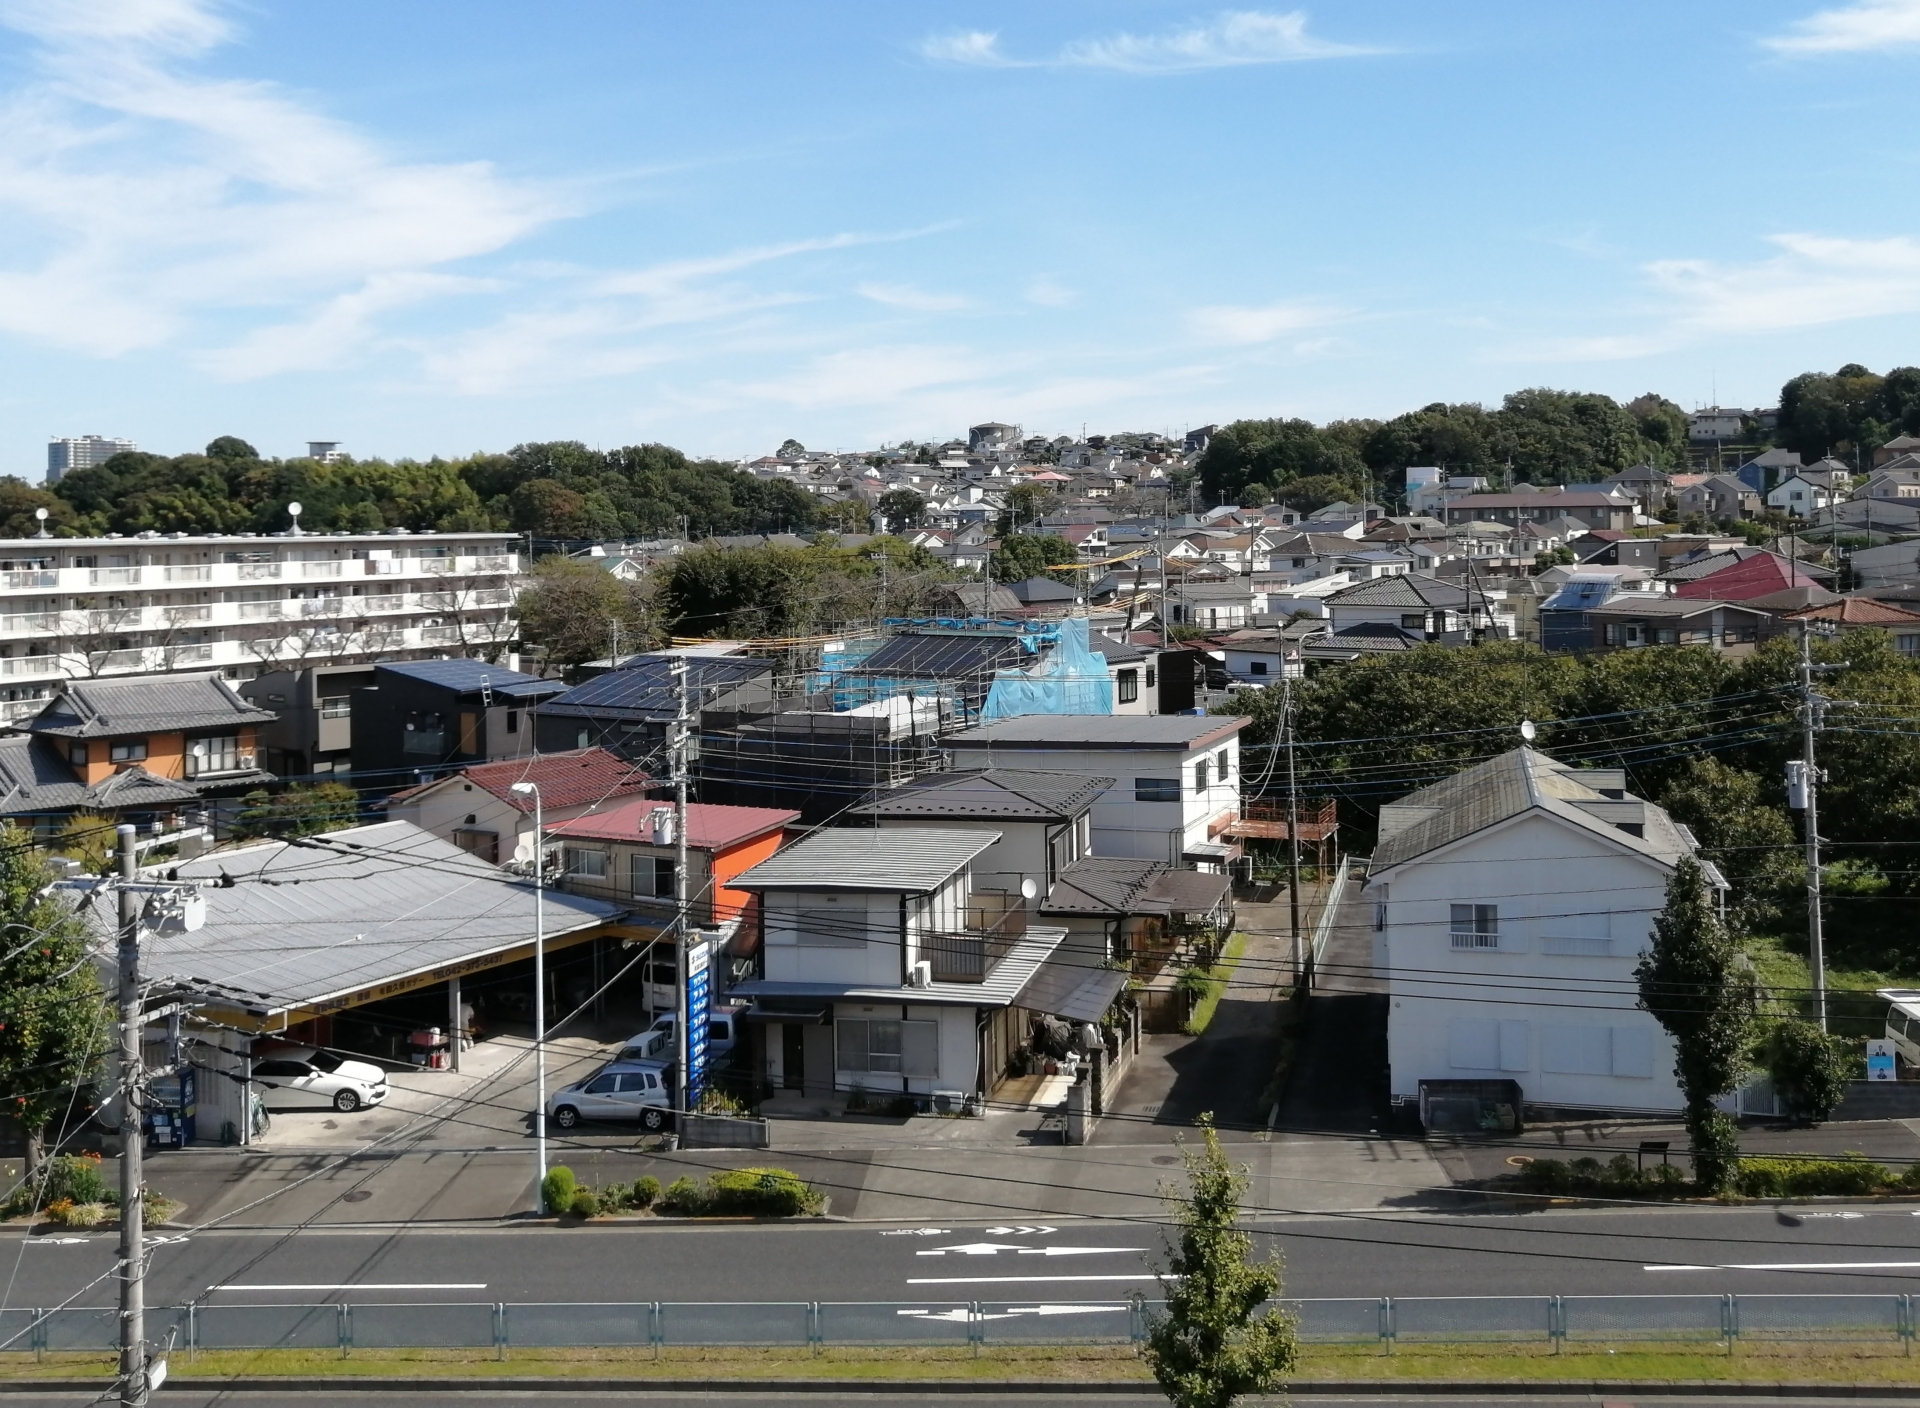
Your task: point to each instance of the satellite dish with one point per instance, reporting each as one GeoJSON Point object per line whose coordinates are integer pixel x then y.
{"type": "Point", "coordinates": [295, 509]}
{"type": "Point", "coordinates": [1528, 731]}
{"type": "Point", "coordinates": [1029, 888]}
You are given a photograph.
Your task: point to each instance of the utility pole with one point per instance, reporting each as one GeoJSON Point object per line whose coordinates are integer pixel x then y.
{"type": "Point", "coordinates": [681, 1019]}
{"type": "Point", "coordinates": [1803, 795]}
{"type": "Point", "coordinates": [1293, 821]}
{"type": "Point", "coordinates": [532, 789]}
{"type": "Point", "coordinates": [133, 1332]}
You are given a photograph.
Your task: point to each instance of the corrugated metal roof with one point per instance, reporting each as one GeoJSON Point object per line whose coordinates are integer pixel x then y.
{"type": "Point", "coordinates": [474, 676]}
{"type": "Point", "coordinates": [710, 827]}
{"type": "Point", "coordinates": [1066, 987]}
{"type": "Point", "coordinates": [333, 915]}
{"type": "Point", "coordinates": [1071, 732]}
{"type": "Point", "coordinates": [912, 861]}
{"type": "Point", "coordinates": [995, 793]}
{"type": "Point", "coordinates": [112, 708]}
{"type": "Point", "coordinates": [568, 779]}
{"type": "Point", "coordinates": [1004, 981]}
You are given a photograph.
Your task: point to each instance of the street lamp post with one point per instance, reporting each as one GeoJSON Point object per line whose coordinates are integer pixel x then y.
{"type": "Point", "coordinates": [530, 789]}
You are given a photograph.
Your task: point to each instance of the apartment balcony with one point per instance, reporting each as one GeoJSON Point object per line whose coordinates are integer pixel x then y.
{"type": "Point", "coordinates": [322, 569]}
{"type": "Point", "coordinates": [29, 624]}
{"type": "Point", "coordinates": [28, 581]}
{"type": "Point", "coordinates": [31, 667]}
{"type": "Point", "coordinates": [994, 923]}
{"type": "Point", "coordinates": [261, 610]}
{"type": "Point", "coordinates": [202, 572]}
{"type": "Point", "coordinates": [82, 580]}
{"type": "Point", "coordinates": [113, 576]}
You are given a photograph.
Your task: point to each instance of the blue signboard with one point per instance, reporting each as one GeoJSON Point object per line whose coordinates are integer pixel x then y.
{"type": "Point", "coordinates": [699, 983]}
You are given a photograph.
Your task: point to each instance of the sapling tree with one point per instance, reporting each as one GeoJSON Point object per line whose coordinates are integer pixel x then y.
{"type": "Point", "coordinates": [1693, 981]}
{"type": "Point", "coordinates": [1809, 1069]}
{"type": "Point", "coordinates": [1209, 1347]}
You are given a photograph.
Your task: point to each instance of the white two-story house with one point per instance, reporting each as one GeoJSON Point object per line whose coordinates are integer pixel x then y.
{"type": "Point", "coordinates": [1175, 777]}
{"type": "Point", "coordinates": [1511, 903]}
{"type": "Point", "coordinates": [886, 970]}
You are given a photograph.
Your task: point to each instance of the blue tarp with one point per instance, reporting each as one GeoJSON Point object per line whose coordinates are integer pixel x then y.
{"type": "Point", "coordinates": [1072, 679]}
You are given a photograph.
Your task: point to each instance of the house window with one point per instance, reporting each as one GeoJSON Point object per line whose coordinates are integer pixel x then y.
{"type": "Point", "coordinates": [590, 864]}
{"type": "Point", "coordinates": [128, 750]}
{"type": "Point", "coordinates": [220, 753]}
{"type": "Point", "coordinates": [1257, 667]}
{"type": "Point", "coordinates": [1156, 789]}
{"type": "Point", "coordinates": [425, 733]}
{"type": "Point", "coordinates": [882, 1046]}
{"type": "Point", "coordinates": [1476, 926]}
{"type": "Point", "coordinates": [484, 844]}
{"type": "Point", "coordinates": [650, 876]}
{"type": "Point", "coordinates": [1412, 622]}
{"type": "Point", "coordinates": [336, 706]}
{"type": "Point", "coordinates": [513, 721]}
{"type": "Point", "coordinates": [77, 754]}
{"type": "Point", "coordinates": [1149, 677]}
{"type": "Point", "coordinates": [1908, 645]}
{"type": "Point", "coordinates": [1129, 686]}
{"type": "Point", "coordinates": [1200, 776]}
{"type": "Point", "coordinates": [1221, 765]}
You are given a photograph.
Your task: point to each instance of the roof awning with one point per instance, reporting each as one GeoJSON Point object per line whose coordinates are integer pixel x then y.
{"type": "Point", "coordinates": [789, 1010]}
{"type": "Point", "coordinates": [1067, 987]}
{"type": "Point", "coordinates": [1216, 852]}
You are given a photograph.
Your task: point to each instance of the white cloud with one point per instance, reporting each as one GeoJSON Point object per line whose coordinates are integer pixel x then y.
{"type": "Point", "coordinates": [1232, 39]}
{"type": "Point", "coordinates": [1865, 27]}
{"type": "Point", "coordinates": [151, 197]}
{"type": "Point", "coordinates": [334, 332]}
{"type": "Point", "coordinates": [1245, 326]}
{"type": "Point", "coordinates": [1815, 279]}
{"type": "Point", "coordinates": [915, 300]}
{"type": "Point", "coordinates": [1048, 294]}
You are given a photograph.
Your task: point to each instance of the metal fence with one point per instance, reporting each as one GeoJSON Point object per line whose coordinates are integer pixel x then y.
{"type": "Point", "coordinates": [1385, 1321]}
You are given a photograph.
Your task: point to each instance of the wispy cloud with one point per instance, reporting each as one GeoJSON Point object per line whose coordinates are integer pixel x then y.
{"type": "Point", "coordinates": [1233, 325]}
{"type": "Point", "coordinates": [1232, 39]}
{"type": "Point", "coordinates": [1851, 29]}
{"type": "Point", "coordinates": [913, 300]}
{"type": "Point", "coordinates": [1050, 294]}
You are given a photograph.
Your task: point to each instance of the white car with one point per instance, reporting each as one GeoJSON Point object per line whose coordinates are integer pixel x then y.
{"type": "Point", "coordinates": [656, 1042]}
{"type": "Point", "coordinates": [625, 1090]}
{"type": "Point", "coordinates": [305, 1078]}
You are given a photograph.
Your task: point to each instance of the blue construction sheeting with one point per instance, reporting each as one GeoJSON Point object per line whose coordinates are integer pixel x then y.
{"type": "Point", "coordinates": [1073, 679]}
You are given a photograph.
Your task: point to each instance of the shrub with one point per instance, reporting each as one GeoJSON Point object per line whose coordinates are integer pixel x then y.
{"type": "Point", "coordinates": [70, 1178]}
{"type": "Point", "coordinates": [583, 1203]}
{"type": "Point", "coordinates": [761, 1192]}
{"type": "Point", "coordinates": [1194, 983]}
{"type": "Point", "coordinates": [715, 1101]}
{"type": "Point", "coordinates": [1801, 1178]}
{"type": "Point", "coordinates": [685, 1197]}
{"type": "Point", "coordinates": [1809, 1069]}
{"type": "Point", "coordinates": [1619, 1177]}
{"type": "Point", "coordinates": [647, 1192]}
{"type": "Point", "coordinates": [80, 1214]}
{"type": "Point", "coordinates": [556, 1189]}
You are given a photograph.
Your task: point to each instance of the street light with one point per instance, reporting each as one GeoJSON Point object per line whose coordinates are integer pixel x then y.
{"type": "Point", "coordinates": [530, 789]}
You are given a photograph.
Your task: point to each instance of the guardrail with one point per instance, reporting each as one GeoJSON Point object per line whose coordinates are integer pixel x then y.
{"type": "Point", "coordinates": [1330, 911]}
{"type": "Point", "coordinates": [1383, 1320]}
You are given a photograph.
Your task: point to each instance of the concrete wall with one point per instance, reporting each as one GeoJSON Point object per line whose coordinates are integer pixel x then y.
{"type": "Point", "coordinates": [860, 945]}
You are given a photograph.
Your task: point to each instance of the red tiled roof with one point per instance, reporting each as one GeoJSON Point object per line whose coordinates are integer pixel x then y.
{"type": "Point", "coordinates": [1759, 575]}
{"type": "Point", "coordinates": [572, 779]}
{"type": "Point", "coordinates": [710, 827]}
{"type": "Point", "coordinates": [1859, 611]}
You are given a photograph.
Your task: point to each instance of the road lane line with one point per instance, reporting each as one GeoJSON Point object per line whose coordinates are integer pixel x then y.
{"type": "Point", "coordinates": [1796, 1266]}
{"type": "Point", "coordinates": [360, 1286]}
{"type": "Point", "coordinates": [1002, 1280]}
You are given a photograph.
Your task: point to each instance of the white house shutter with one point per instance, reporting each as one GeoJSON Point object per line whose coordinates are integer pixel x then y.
{"type": "Point", "coordinates": [1514, 1055]}
{"type": "Point", "coordinates": [1633, 1052]}
{"type": "Point", "coordinates": [920, 1049]}
{"type": "Point", "coordinates": [1473, 1044]}
{"type": "Point", "coordinates": [1577, 1051]}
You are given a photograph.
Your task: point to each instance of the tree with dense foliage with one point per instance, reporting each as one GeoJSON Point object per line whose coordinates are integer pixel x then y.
{"type": "Point", "coordinates": [1743, 828]}
{"type": "Point", "coordinates": [1027, 555]}
{"type": "Point", "coordinates": [1692, 979]}
{"type": "Point", "coordinates": [1275, 453]}
{"type": "Point", "coordinates": [1849, 412]}
{"type": "Point", "coordinates": [779, 591]}
{"type": "Point", "coordinates": [575, 610]}
{"type": "Point", "coordinates": [301, 810]}
{"type": "Point", "coordinates": [1208, 1347]}
{"type": "Point", "coordinates": [1026, 505]}
{"type": "Point", "coordinates": [1808, 1068]}
{"type": "Point", "coordinates": [901, 508]}
{"type": "Point", "coordinates": [54, 1022]}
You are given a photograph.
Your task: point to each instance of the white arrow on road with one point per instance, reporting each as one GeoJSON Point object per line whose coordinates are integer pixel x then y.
{"type": "Point", "coordinates": [57, 1241]}
{"type": "Point", "coordinates": [1021, 1231]}
{"type": "Point", "coordinates": [919, 1232]}
{"type": "Point", "coordinates": [994, 1248]}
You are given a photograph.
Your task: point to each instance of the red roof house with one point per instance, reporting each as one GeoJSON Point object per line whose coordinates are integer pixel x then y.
{"type": "Point", "coordinates": [1760, 575]}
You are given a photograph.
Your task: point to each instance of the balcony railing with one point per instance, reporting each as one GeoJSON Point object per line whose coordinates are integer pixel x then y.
{"type": "Point", "coordinates": [321, 606]}
{"type": "Point", "coordinates": [34, 621]}
{"type": "Point", "coordinates": [201, 573]}
{"type": "Point", "coordinates": [25, 581]}
{"type": "Point", "coordinates": [114, 576]}
{"type": "Point", "coordinates": [18, 665]}
{"type": "Point", "coordinates": [995, 922]}
{"type": "Point", "coordinates": [320, 569]}
{"type": "Point", "coordinates": [256, 571]}
{"type": "Point", "coordinates": [439, 635]}
{"type": "Point", "coordinates": [185, 615]}
{"type": "Point", "coordinates": [260, 610]}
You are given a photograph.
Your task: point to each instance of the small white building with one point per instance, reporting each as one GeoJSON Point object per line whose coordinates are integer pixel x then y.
{"type": "Point", "coordinates": [1512, 902]}
{"type": "Point", "coordinates": [478, 810]}
{"type": "Point", "coordinates": [1176, 784]}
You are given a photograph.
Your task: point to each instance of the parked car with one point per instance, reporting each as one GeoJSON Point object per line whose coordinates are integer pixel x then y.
{"type": "Point", "coordinates": [306, 1078]}
{"type": "Point", "coordinates": [623, 1090]}
{"type": "Point", "coordinates": [656, 1042]}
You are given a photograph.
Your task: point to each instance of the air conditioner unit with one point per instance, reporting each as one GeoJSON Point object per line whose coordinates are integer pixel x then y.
{"type": "Point", "coordinates": [922, 976]}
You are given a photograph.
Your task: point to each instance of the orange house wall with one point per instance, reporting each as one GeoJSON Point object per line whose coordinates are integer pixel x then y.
{"type": "Point", "coordinates": [166, 756]}
{"type": "Point", "coordinates": [727, 904]}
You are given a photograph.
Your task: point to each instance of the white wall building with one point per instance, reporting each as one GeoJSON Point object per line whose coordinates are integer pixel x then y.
{"type": "Point", "coordinates": [82, 452]}
{"type": "Point", "coordinates": [1177, 776]}
{"type": "Point", "coordinates": [1511, 904]}
{"type": "Point", "coordinates": [243, 604]}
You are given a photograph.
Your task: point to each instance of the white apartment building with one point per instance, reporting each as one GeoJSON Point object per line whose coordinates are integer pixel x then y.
{"type": "Point", "coordinates": [81, 452]}
{"type": "Point", "coordinates": [243, 604]}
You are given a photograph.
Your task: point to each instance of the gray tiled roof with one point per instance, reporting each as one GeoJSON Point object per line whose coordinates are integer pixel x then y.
{"type": "Point", "coordinates": [999, 794]}
{"type": "Point", "coordinates": [35, 778]}
{"type": "Point", "coordinates": [1507, 786]}
{"type": "Point", "coordinates": [1074, 732]}
{"type": "Point", "coordinates": [1410, 589]}
{"type": "Point", "coordinates": [333, 915]}
{"type": "Point", "coordinates": [112, 708]}
{"type": "Point", "coordinates": [912, 861]}
{"type": "Point", "coordinates": [1101, 885]}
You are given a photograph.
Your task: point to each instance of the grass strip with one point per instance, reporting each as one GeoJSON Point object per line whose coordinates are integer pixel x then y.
{"type": "Point", "coordinates": [1218, 977]}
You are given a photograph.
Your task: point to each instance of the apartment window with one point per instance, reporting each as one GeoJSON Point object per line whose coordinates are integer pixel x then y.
{"type": "Point", "coordinates": [77, 754]}
{"type": "Point", "coordinates": [1476, 926]}
{"type": "Point", "coordinates": [883, 1046]}
{"type": "Point", "coordinates": [1200, 776]}
{"type": "Point", "coordinates": [1156, 789]}
{"type": "Point", "coordinates": [336, 706]}
{"type": "Point", "coordinates": [590, 864]}
{"type": "Point", "coordinates": [650, 876]}
{"type": "Point", "coordinates": [128, 750]}
{"type": "Point", "coordinates": [218, 754]}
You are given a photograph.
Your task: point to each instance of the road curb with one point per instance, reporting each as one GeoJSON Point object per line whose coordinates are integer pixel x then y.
{"type": "Point", "coordinates": [1405, 1388]}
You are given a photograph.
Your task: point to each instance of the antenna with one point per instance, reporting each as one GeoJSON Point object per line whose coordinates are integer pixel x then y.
{"type": "Point", "coordinates": [1527, 730]}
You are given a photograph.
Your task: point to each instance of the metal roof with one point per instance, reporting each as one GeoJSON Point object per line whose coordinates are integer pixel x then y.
{"type": "Point", "coordinates": [710, 826]}
{"type": "Point", "coordinates": [1005, 980]}
{"type": "Point", "coordinates": [114, 708]}
{"type": "Point", "coordinates": [911, 861]}
{"type": "Point", "coordinates": [1069, 986]}
{"type": "Point", "coordinates": [474, 677]}
{"type": "Point", "coordinates": [643, 687]}
{"type": "Point", "coordinates": [1102, 885]}
{"type": "Point", "coordinates": [1078, 732]}
{"type": "Point", "coordinates": [323, 919]}
{"type": "Point", "coordinates": [970, 657]}
{"type": "Point", "coordinates": [569, 779]}
{"type": "Point", "coordinates": [1000, 794]}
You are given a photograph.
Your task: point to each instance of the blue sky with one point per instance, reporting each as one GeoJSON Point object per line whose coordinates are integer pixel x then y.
{"type": "Point", "coordinates": [432, 228]}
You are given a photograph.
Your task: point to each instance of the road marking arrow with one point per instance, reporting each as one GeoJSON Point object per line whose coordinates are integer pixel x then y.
{"type": "Point", "coordinates": [994, 1248]}
{"type": "Point", "coordinates": [1021, 1231]}
{"type": "Point", "coordinates": [919, 1232]}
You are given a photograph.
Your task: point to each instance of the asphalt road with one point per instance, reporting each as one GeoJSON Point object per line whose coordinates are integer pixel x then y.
{"type": "Point", "coordinates": [346, 1392]}
{"type": "Point", "coordinates": [1565, 1252]}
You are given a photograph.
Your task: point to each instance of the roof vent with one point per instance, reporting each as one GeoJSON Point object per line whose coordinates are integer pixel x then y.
{"type": "Point", "coordinates": [660, 819]}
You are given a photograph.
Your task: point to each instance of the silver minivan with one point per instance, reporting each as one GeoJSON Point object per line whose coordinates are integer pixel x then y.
{"type": "Point", "coordinates": [625, 1090]}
